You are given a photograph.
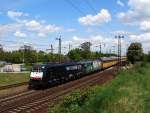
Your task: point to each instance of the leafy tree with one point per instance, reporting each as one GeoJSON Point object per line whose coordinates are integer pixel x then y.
{"type": "Point", "coordinates": [135, 52]}
{"type": "Point", "coordinates": [148, 56]}
{"type": "Point", "coordinates": [29, 54]}
{"type": "Point", "coordinates": [86, 46]}
{"type": "Point", "coordinates": [75, 54]}
{"type": "Point", "coordinates": [86, 52]}
{"type": "Point", "coordinates": [32, 56]}
{"type": "Point", "coordinates": [1, 48]}
{"type": "Point", "coordinates": [40, 56]}
{"type": "Point", "coordinates": [15, 56]}
{"type": "Point", "coordinates": [1, 52]}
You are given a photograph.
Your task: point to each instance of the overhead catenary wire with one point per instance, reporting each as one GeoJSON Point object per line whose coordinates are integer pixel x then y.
{"type": "Point", "coordinates": [75, 7]}
{"type": "Point", "coordinates": [91, 6]}
{"type": "Point", "coordinates": [108, 26]}
{"type": "Point", "coordinates": [8, 41]}
{"type": "Point", "coordinates": [96, 12]}
{"type": "Point", "coordinates": [15, 45]}
{"type": "Point", "coordinates": [83, 14]}
{"type": "Point", "coordinates": [70, 2]}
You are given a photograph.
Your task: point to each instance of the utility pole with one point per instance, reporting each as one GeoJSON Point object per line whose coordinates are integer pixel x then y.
{"type": "Point", "coordinates": [110, 51]}
{"type": "Point", "coordinates": [69, 47]}
{"type": "Point", "coordinates": [51, 51]}
{"type": "Point", "coordinates": [119, 37]}
{"type": "Point", "coordinates": [100, 48]}
{"type": "Point", "coordinates": [103, 47]}
{"type": "Point", "coordinates": [113, 51]}
{"type": "Point", "coordinates": [23, 51]}
{"type": "Point", "coordinates": [59, 50]}
{"type": "Point", "coordinates": [23, 55]}
{"type": "Point", "coordinates": [37, 56]}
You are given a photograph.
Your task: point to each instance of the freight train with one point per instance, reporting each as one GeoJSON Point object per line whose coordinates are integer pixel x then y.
{"type": "Point", "coordinates": [50, 74]}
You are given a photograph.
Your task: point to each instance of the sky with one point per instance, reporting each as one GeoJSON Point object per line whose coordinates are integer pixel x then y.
{"type": "Point", "coordinates": [39, 22]}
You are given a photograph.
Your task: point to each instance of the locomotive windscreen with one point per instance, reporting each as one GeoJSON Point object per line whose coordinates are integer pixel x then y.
{"type": "Point", "coordinates": [38, 68]}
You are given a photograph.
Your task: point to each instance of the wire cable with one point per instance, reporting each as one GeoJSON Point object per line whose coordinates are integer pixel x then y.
{"type": "Point", "coordinates": [75, 7]}
{"type": "Point", "coordinates": [90, 5]}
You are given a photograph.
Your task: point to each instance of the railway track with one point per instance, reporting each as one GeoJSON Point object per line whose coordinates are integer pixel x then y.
{"type": "Point", "coordinates": [37, 100]}
{"type": "Point", "coordinates": [13, 97]}
{"type": "Point", "coordinates": [13, 89]}
{"type": "Point", "coordinates": [13, 85]}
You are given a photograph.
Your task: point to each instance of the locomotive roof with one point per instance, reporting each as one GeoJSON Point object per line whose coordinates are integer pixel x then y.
{"type": "Point", "coordinates": [83, 62]}
{"type": "Point", "coordinates": [51, 64]}
{"type": "Point", "coordinates": [39, 65]}
{"type": "Point", "coordinates": [56, 64]}
{"type": "Point", "coordinates": [108, 58]}
{"type": "Point", "coordinates": [63, 64]}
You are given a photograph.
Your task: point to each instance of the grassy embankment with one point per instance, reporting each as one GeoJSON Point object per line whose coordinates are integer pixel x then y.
{"type": "Point", "coordinates": [13, 78]}
{"type": "Point", "coordinates": [129, 92]}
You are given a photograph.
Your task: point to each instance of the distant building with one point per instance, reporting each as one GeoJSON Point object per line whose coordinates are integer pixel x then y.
{"type": "Point", "coordinates": [8, 68]}
{"type": "Point", "coordinates": [11, 68]}
{"type": "Point", "coordinates": [16, 67]}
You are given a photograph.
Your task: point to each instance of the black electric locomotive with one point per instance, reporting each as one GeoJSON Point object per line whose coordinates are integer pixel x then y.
{"type": "Point", "coordinates": [50, 74]}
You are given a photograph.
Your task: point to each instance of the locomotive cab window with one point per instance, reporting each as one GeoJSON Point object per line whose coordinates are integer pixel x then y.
{"type": "Point", "coordinates": [38, 68]}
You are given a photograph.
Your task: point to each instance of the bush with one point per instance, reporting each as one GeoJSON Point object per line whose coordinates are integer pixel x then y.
{"type": "Point", "coordinates": [128, 93]}
{"type": "Point", "coordinates": [73, 102]}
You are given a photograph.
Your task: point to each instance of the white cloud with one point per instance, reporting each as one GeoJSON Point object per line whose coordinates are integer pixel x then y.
{"type": "Point", "coordinates": [6, 29]}
{"type": "Point", "coordinates": [33, 25]}
{"type": "Point", "coordinates": [78, 40]}
{"type": "Point", "coordinates": [138, 15]}
{"type": "Point", "coordinates": [52, 28]}
{"type": "Point", "coordinates": [106, 43]}
{"type": "Point", "coordinates": [41, 34]}
{"type": "Point", "coordinates": [41, 28]}
{"type": "Point", "coordinates": [70, 30]}
{"type": "Point", "coordinates": [145, 26]}
{"type": "Point", "coordinates": [48, 29]}
{"type": "Point", "coordinates": [12, 46]}
{"type": "Point", "coordinates": [20, 34]}
{"type": "Point", "coordinates": [144, 37]}
{"type": "Point", "coordinates": [95, 40]}
{"type": "Point", "coordinates": [13, 14]}
{"type": "Point", "coordinates": [139, 10]}
{"type": "Point", "coordinates": [102, 17]}
{"type": "Point", "coordinates": [120, 3]}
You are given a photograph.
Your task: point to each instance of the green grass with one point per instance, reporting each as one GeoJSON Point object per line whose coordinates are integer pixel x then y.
{"type": "Point", "coordinates": [129, 92]}
{"type": "Point", "coordinates": [12, 78]}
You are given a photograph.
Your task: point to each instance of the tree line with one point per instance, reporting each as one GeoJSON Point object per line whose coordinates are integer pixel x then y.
{"type": "Point", "coordinates": [26, 54]}
{"type": "Point", "coordinates": [135, 53]}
